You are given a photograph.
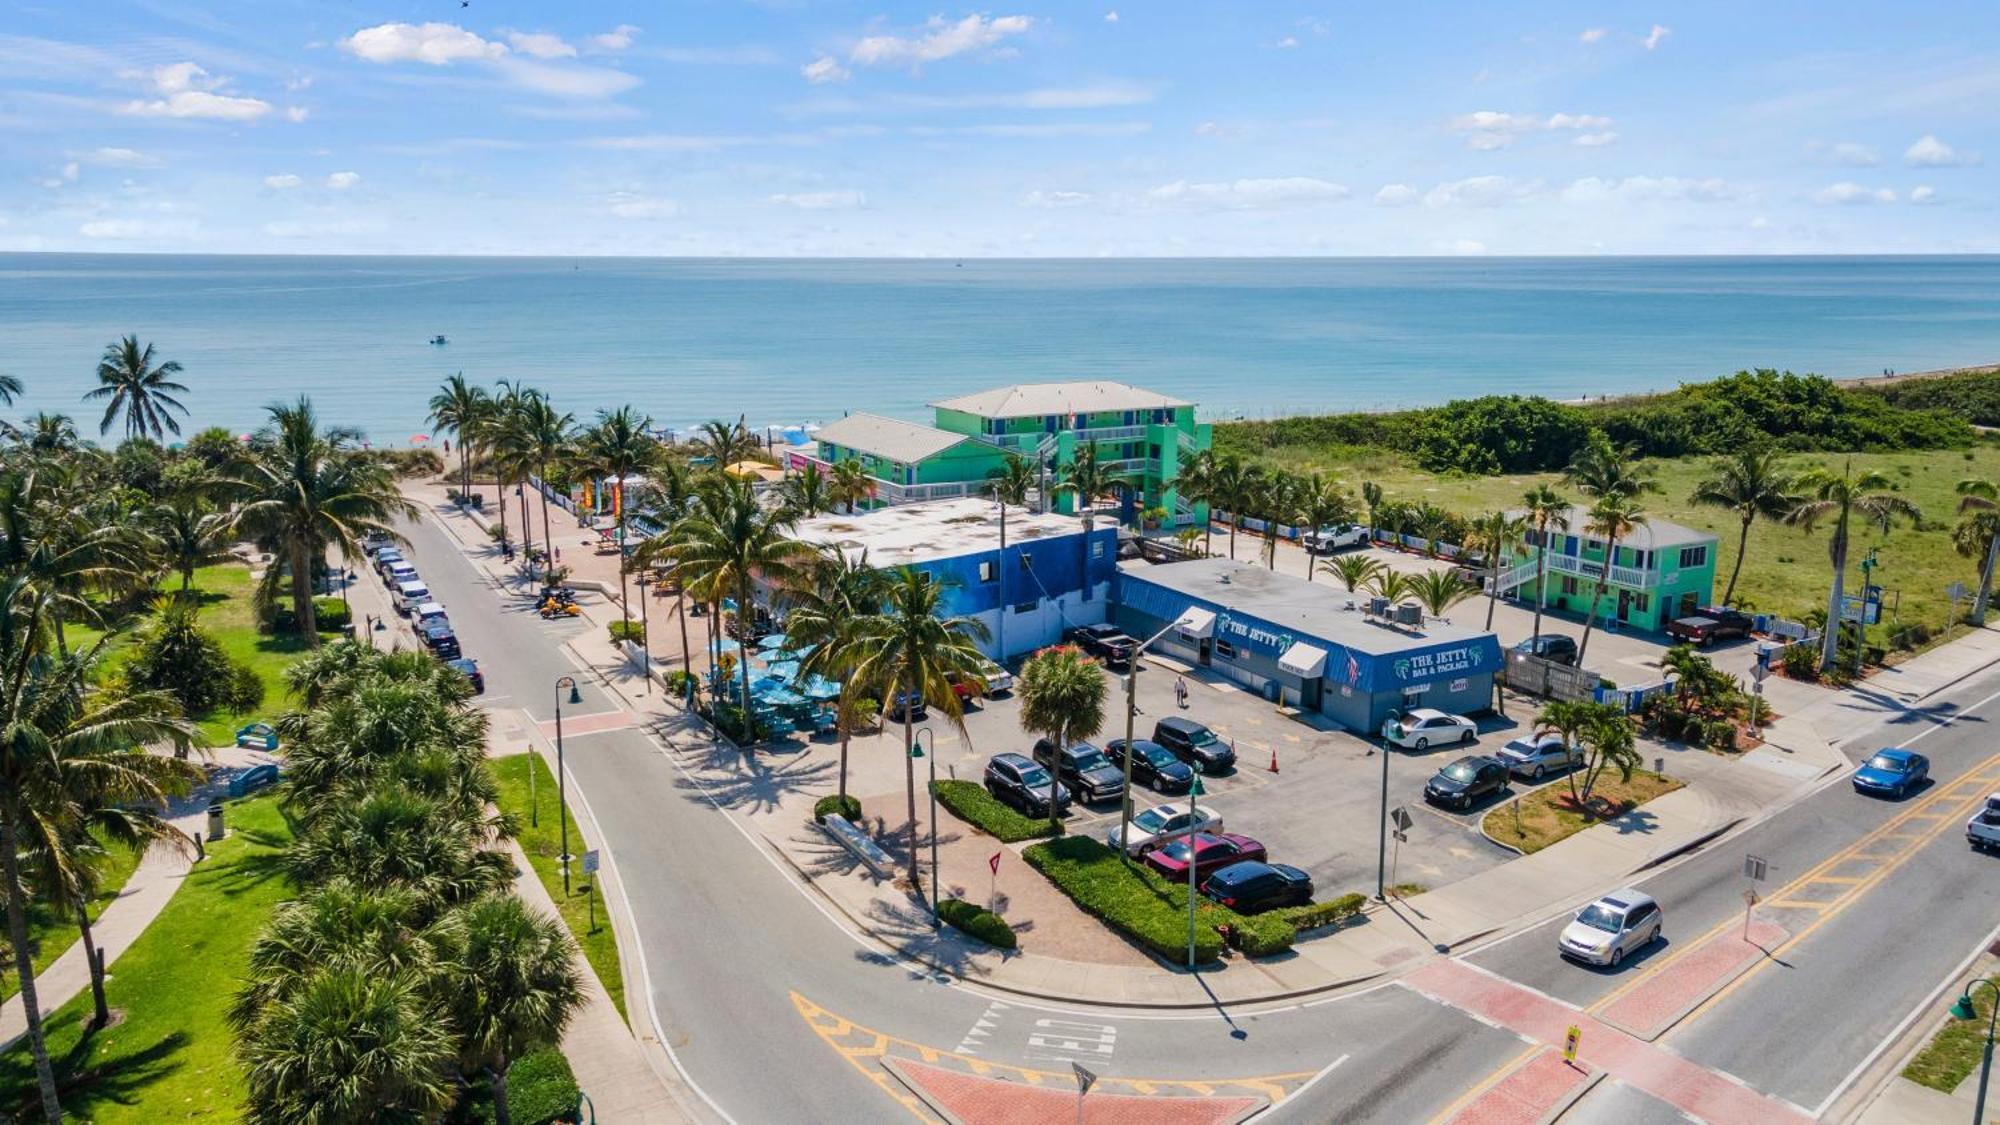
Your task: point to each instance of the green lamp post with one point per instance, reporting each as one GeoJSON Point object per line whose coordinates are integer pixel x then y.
{"type": "Point", "coordinates": [1965, 1009]}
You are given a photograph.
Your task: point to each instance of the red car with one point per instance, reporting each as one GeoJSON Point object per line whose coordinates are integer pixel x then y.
{"type": "Point", "coordinates": [1213, 852]}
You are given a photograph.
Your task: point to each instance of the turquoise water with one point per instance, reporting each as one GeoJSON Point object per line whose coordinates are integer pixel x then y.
{"type": "Point", "coordinates": [803, 340]}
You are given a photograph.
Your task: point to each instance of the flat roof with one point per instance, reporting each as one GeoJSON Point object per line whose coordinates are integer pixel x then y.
{"type": "Point", "coordinates": [1311, 609]}
{"type": "Point", "coordinates": [1090, 396]}
{"type": "Point", "coordinates": [1654, 534]}
{"type": "Point", "coordinates": [892, 438]}
{"type": "Point", "coordinates": [933, 529]}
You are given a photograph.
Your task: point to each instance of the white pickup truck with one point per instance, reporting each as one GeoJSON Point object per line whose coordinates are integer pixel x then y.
{"type": "Point", "coordinates": [1983, 830]}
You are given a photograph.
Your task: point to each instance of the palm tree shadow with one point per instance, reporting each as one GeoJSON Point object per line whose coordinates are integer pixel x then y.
{"type": "Point", "coordinates": [754, 787]}
{"type": "Point", "coordinates": [122, 1080]}
{"type": "Point", "coordinates": [906, 926]}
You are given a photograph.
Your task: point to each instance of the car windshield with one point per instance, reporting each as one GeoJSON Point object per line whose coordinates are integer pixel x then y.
{"type": "Point", "coordinates": [1598, 918]}
{"type": "Point", "coordinates": [1088, 759]}
{"type": "Point", "coordinates": [1201, 736]}
{"type": "Point", "coordinates": [1458, 771]}
{"type": "Point", "coordinates": [1519, 746]}
{"type": "Point", "coordinates": [1176, 850]}
{"type": "Point", "coordinates": [1150, 820]}
{"type": "Point", "coordinates": [1885, 762]}
{"type": "Point", "coordinates": [1160, 756]}
{"type": "Point", "coordinates": [1035, 776]}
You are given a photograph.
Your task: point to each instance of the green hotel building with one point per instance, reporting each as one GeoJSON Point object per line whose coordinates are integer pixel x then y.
{"type": "Point", "coordinates": [1142, 438]}
{"type": "Point", "coordinates": [1663, 571]}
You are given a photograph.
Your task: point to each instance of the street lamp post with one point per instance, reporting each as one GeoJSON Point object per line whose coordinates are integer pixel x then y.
{"type": "Point", "coordinates": [645, 633]}
{"type": "Point", "coordinates": [1964, 1009]}
{"type": "Point", "coordinates": [917, 751]}
{"type": "Point", "coordinates": [1194, 792]}
{"type": "Point", "coordinates": [1131, 716]}
{"type": "Point", "coordinates": [562, 775]}
{"type": "Point", "coordinates": [1382, 839]}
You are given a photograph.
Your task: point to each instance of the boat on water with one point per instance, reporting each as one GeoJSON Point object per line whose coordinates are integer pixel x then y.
{"type": "Point", "coordinates": [439, 341]}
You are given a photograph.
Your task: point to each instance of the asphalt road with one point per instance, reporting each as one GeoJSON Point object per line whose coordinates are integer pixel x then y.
{"type": "Point", "coordinates": [746, 969]}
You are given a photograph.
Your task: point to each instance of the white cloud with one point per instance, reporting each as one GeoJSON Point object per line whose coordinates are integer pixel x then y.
{"type": "Point", "coordinates": [181, 76]}
{"type": "Point", "coordinates": [1594, 189]}
{"type": "Point", "coordinates": [1036, 129]}
{"type": "Point", "coordinates": [540, 44]}
{"type": "Point", "coordinates": [824, 69]}
{"type": "Point", "coordinates": [296, 114]}
{"type": "Point", "coordinates": [1929, 152]}
{"type": "Point", "coordinates": [1247, 194]}
{"type": "Point", "coordinates": [1848, 192]}
{"type": "Point", "coordinates": [1850, 153]}
{"type": "Point", "coordinates": [1923, 193]}
{"type": "Point", "coordinates": [282, 181]}
{"type": "Point", "coordinates": [942, 39]}
{"type": "Point", "coordinates": [120, 158]}
{"type": "Point", "coordinates": [1590, 35]}
{"type": "Point", "coordinates": [1287, 43]}
{"type": "Point", "coordinates": [821, 200]}
{"type": "Point", "coordinates": [1111, 16]}
{"type": "Point", "coordinates": [341, 181]}
{"type": "Point", "coordinates": [632, 205]}
{"type": "Point", "coordinates": [617, 39]}
{"type": "Point", "coordinates": [1596, 140]}
{"type": "Point", "coordinates": [1217, 130]}
{"type": "Point", "coordinates": [1054, 199]}
{"type": "Point", "coordinates": [438, 44]}
{"type": "Point", "coordinates": [1104, 95]}
{"type": "Point", "coordinates": [1396, 195]}
{"type": "Point", "coordinates": [200, 104]}
{"type": "Point", "coordinates": [1657, 36]}
{"type": "Point", "coordinates": [1480, 191]}
{"type": "Point", "coordinates": [588, 82]}
{"type": "Point", "coordinates": [1490, 129]}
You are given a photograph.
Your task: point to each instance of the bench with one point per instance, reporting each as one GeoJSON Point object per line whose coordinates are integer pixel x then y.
{"type": "Point", "coordinates": [858, 845]}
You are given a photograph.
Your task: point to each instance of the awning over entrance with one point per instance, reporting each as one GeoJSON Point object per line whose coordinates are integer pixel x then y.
{"type": "Point", "coordinates": [1304, 661]}
{"type": "Point", "coordinates": [1196, 624]}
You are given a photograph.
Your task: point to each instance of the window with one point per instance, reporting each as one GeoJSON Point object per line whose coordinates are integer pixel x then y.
{"type": "Point", "coordinates": [1569, 584]}
{"type": "Point", "coordinates": [1097, 550]}
{"type": "Point", "coordinates": [1225, 650]}
{"type": "Point", "coordinates": [1153, 451]}
{"type": "Point", "coordinates": [1642, 603]}
{"type": "Point", "coordinates": [987, 571]}
{"type": "Point", "coordinates": [1693, 556]}
{"type": "Point", "coordinates": [1028, 606]}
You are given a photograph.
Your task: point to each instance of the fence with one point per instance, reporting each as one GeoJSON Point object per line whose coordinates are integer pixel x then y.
{"type": "Point", "coordinates": [1535, 676]}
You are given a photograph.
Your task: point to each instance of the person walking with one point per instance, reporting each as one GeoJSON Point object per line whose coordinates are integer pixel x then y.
{"type": "Point", "coordinates": [1180, 691]}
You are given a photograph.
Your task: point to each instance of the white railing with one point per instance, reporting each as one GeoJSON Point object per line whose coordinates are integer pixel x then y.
{"type": "Point", "coordinates": [1631, 578]}
{"type": "Point", "coordinates": [910, 493]}
{"type": "Point", "coordinates": [1018, 443]}
{"type": "Point", "coordinates": [1112, 433]}
{"type": "Point", "coordinates": [1519, 576]}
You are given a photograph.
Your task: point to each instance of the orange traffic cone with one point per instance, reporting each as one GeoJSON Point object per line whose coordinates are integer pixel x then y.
{"type": "Point", "coordinates": [1274, 759]}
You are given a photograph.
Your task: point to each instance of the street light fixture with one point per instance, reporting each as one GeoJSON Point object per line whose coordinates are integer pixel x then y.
{"type": "Point", "coordinates": [1964, 1009]}
{"type": "Point", "coordinates": [562, 775]}
{"type": "Point", "coordinates": [917, 751]}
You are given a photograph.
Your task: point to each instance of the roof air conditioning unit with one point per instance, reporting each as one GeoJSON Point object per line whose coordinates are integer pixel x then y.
{"type": "Point", "coordinates": [1378, 607]}
{"type": "Point", "coordinates": [1409, 613]}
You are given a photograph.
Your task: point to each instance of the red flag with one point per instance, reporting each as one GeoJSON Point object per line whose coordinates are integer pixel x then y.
{"type": "Point", "coordinates": [994, 863]}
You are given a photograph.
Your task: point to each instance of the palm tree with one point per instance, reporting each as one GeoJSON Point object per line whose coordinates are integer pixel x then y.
{"type": "Point", "coordinates": [1371, 495]}
{"type": "Point", "coordinates": [139, 388]}
{"type": "Point", "coordinates": [1194, 482]}
{"type": "Point", "coordinates": [1086, 478]}
{"type": "Point", "coordinates": [914, 648]}
{"type": "Point", "coordinates": [385, 835]}
{"type": "Point", "coordinates": [351, 1046]}
{"type": "Point", "coordinates": [1613, 518]}
{"type": "Point", "coordinates": [1608, 738]}
{"type": "Point", "coordinates": [1601, 469]}
{"type": "Point", "coordinates": [618, 448]}
{"type": "Point", "coordinates": [1391, 584]}
{"type": "Point", "coordinates": [1547, 511]}
{"type": "Point", "coordinates": [1568, 719]}
{"type": "Point", "coordinates": [338, 927]}
{"type": "Point", "coordinates": [1495, 536]}
{"type": "Point", "coordinates": [1062, 699]}
{"type": "Point", "coordinates": [1752, 482]}
{"type": "Point", "coordinates": [828, 608]}
{"type": "Point", "coordinates": [1279, 502]}
{"type": "Point", "coordinates": [502, 434]}
{"type": "Point", "coordinates": [1840, 497]}
{"type": "Point", "coordinates": [62, 540]}
{"type": "Point", "coordinates": [546, 437]}
{"type": "Point", "coordinates": [1229, 481]}
{"type": "Point", "coordinates": [851, 483]}
{"type": "Point", "coordinates": [1439, 590]}
{"type": "Point", "coordinates": [1978, 535]}
{"type": "Point", "coordinates": [673, 492]}
{"type": "Point", "coordinates": [726, 543]}
{"type": "Point", "coordinates": [10, 389]}
{"type": "Point", "coordinates": [51, 433]}
{"type": "Point", "coordinates": [807, 493]}
{"type": "Point", "coordinates": [520, 987]}
{"type": "Point", "coordinates": [1352, 570]}
{"type": "Point", "coordinates": [726, 442]}
{"type": "Point", "coordinates": [309, 490]}
{"type": "Point", "coordinates": [190, 536]}
{"type": "Point", "coordinates": [1322, 501]}
{"type": "Point", "coordinates": [459, 407]}
{"type": "Point", "coordinates": [1012, 481]}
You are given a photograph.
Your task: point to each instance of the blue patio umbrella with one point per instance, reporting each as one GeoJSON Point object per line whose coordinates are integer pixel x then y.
{"type": "Point", "coordinates": [786, 670]}
{"type": "Point", "coordinates": [728, 645]}
{"type": "Point", "coordinates": [818, 687]}
{"type": "Point", "coordinates": [772, 643]}
{"type": "Point", "coordinates": [781, 697]}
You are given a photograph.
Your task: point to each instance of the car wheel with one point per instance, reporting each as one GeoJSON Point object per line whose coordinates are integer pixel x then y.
{"type": "Point", "coordinates": [1423, 744]}
{"type": "Point", "coordinates": [1617, 955]}
{"type": "Point", "coordinates": [1655, 936]}
{"type": "Point", "coordinates": [1468, 735]}
{"type": "Point", "coordinates": [1536, 774]}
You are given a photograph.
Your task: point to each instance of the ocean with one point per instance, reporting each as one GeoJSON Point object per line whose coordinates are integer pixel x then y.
{"type": "Point", "coordinates": [789, 341]}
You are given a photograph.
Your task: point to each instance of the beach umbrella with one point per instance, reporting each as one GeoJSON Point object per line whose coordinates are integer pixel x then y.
{"type": "Point", "coordinates": [786, 670]}
{"type": "Point", "coordinates": [245, 437]}
{"type": "Point", "coordinates": [772, 642]}
{"type": "Point", "coordinates": [819, 688]}
{"type": "Point", "coordinates": [416, 439]}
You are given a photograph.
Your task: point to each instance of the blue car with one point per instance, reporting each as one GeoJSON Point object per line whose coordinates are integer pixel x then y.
{"type": "Point", "coordinates": [1892, 772]}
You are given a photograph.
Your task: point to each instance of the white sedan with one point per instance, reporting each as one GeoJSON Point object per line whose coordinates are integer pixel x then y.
{"type": "Point", "coordinates": [1160, 825]}
{"type": "Point", "coordinates": [1424, 728]}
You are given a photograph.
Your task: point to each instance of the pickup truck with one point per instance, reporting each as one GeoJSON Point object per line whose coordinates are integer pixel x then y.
{"type": "Point", "coordinates": [1106, 641]}
{"type": "Point", "coordinates": [1708, 625]}
{"type": "Point", "coordinates": [1333, 537]}
{"type": "Point", "coordinates": [1983, 830]}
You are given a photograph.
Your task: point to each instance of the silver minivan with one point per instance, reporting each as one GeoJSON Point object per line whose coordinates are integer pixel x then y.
{"type": "Point", "coordinates": [1612, 928]}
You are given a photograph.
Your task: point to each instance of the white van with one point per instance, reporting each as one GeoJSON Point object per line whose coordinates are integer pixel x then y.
{"type": "Point", "coordinates": [400, 573]}
{"type": "Point", "coordinates": [409, 595]}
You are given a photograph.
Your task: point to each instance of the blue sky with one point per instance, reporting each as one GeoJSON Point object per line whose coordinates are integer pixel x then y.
{"type": "Point", "coordinates": [789, 127]}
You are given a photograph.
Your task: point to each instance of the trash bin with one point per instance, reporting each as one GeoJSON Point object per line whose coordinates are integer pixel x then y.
{"type": "Point", "coordinates": [215, 829]}
{"type": "Point", "coordinates": [1272, 690]}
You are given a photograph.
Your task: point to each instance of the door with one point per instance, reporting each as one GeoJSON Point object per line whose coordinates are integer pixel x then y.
{"type": "Point", "coordinates": [1624, 605]}
{"type": "Point", "coordinates": [1207, 649]}
{"type": "Point", "coordinates": [1309, 694]}
{"type": "Point", "coordinates": [1688, 605]}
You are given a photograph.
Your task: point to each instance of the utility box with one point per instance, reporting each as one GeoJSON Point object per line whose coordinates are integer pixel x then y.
{"type": "Point", "coordinates": [1409, 613]}
{"type": "Point", "coordinates": [1378, 607]}
{"type": "Point", "coordinates": [215, 826]}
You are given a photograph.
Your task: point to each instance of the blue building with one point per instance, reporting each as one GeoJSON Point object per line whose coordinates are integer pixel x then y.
{"type": "Point", "coordinates": [1048, 575]}
{"type": "Point", "coordinates": [1315, 642]}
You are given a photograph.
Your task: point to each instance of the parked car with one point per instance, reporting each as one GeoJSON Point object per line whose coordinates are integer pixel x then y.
{"type": "Point", "coordinates": [386, 558]}
{"type": "Point", "coordinates": [1194, 744]}
{"type": "Point", "coordinates": [1552, 647]}
{"type": "Point", "coordinates": [1983, 830]}
{"type": "Point", "coordinates": [1335, 536]}
{"type": "Point", "coordinates": [1212, 852]}
{"type": "Point", "coordinates": [1535, 757]}
{"type": "Point", "coordinates": [911, 701]}
{"type": "Point", "coordinates": [427, 613]}
{"type": "Point", "coordinates": [1620, 923]}
{"type": "Point", "coordinates": [439, 638]}
{"type": "Point", "coordinates": [1464, 782]}
{"type": "Point", "coordinates": [1710, 624]}
{"type": "Point", "coordinates": [1251, 887]}
{"type": "Point", "coordinates": [1153, 765]}
{"type": "Point", "coordinates": [1016, 781]}
{"type": "Point", "coordinates": [1422, 728]}
{"type": "Point", "coordinates": [988, 679]}
{"type": "Point", "coordinates": [1161, 823]}
{"type": "Point", "coordinates": [1892, 771]}
{"type": "Point", "coordinates": [1084, 768]}
{"type": "Point", "coordinates": [409, 595]}
{"type": "Point", "coordinates": [399, 573]}
{"type": "Point", "coordinates": [1106, 641]}
{"type": "Point", "coordinates": [376, 541]}
{"type": "Point", "coordinates": [470, 669]}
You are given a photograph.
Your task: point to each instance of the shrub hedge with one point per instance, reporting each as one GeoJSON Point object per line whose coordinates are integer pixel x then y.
{"type": "Point", "coordinates": [1099, 882]}
{"type": "Point", "coordinates": [634, 631]}
{"type": "Point", "coordinates": [969, 801]}
{"type": "Point", "coordinates": [541, 1090]}
{"type": "Point", "coordinates": [834, 804]}
{"type": "Point", "coordinates": [977, 922]}
{"type": "Point", "coordinates": [1318, 914]}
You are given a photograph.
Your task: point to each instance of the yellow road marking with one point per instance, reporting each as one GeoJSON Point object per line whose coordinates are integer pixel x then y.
{"type": "Point", "coordinates": [1487, 1083]}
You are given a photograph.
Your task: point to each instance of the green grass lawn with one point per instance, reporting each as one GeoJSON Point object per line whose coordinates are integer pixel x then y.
{"type": "Point", "coordinates": [170, 1056]}
{"type": "Point", "coordinates": [1786, 571]}
{"type": "Point", "coordinates": [1953, 1053]}
{"type": "Point", "coordinates": [543, 843]}
{"type": "Point", "coordinates": [55, 930]}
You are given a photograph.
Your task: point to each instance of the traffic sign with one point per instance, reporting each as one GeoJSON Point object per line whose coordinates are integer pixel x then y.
{"type": "Point", "coordinates": [1400, 816]}
{"type": "Point", "coordinates": [1571, 1042]}
{"type": "Point", "coordinates": [1085, 1078]}
{"type": "Point", "coordinates": [590, 862]}
{"type": "Point", "coordinates": [1956, 591]}
{"type": "Point", "coordinates": [1401, 836]}
{"type": "Point", "coordinates": [1754, 868]}
{"type": "Point", "coordinates": [1759, 670]}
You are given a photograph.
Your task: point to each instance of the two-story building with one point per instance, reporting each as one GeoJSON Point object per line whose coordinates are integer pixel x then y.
{"type": "Point", "coordinates": [1141, 437]}
{"type": "Point", "coordinates": [1663, 571]}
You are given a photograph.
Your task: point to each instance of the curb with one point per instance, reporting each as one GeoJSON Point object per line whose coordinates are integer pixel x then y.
{"type": "Point", "coordinates": [1699, 841]}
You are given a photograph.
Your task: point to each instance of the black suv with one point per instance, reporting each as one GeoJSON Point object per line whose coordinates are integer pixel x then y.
{"type": "Point", "coordinates": [1465, 781]}
{"type": "Point", "coordinates": [1021, 783]}
{"type": "Point", "coordinates": [442, 642]}
{"type": "Point", "coordinates": [1250, 887]}
{"type": "Point", "coordinates": [1194, 744]}
{"type": "Point", "coordinates": [911, 701]}
{"type": "Point", "coordinates": [1084, 768]}
{"type": "Point", "coordinates": [1107, 641]}
{"type": "Point", "coordinates": [1552, 647]}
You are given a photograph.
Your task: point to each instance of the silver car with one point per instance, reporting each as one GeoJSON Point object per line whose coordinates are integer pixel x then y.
{"type": "Point", "coordinates": [1608, 930]}
{"type": "Point", "coordinates": [1536, 757]}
